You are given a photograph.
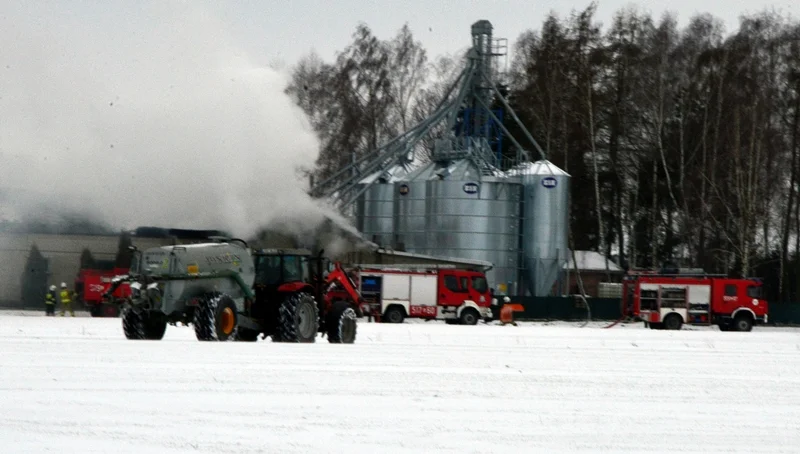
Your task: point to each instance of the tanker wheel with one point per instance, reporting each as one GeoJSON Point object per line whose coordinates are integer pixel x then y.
{"type": "Point", "coordinates": [342, 324]}
{"type": "Point", "coordinates": [246, 335]}
{"type": "Point", "coordinates": [298, 319]}
{"type": "Point", "coordinates": [215, 318]}
{"type": "Point", "coordinates": [139, 325]}
{"type": "Point", "coordinates": [132, 323]}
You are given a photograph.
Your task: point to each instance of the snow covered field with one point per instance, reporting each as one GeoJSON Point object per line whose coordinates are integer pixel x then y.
{"type": "Point", "coordinates": [75, 385]}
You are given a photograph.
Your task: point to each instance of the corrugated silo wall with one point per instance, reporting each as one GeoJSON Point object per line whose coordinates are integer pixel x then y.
{"type": "Point", "coordinates": [545, 230]}
{"type": "Point", "coordinates": [410, 216]}
{"type": "Point", "coordinates": [476, 220]}
{"type": "Point", "coordinates": [375, 214]}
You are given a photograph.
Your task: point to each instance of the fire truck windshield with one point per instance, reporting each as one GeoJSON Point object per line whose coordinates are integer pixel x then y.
{"type": "Point", "coordinates": [753, 291]}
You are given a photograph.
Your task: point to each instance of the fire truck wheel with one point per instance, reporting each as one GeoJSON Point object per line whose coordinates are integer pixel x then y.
{"type": "Point", "coordinates": [110, 310]}
{"type": "Point", "coordinates": [673, 322]}
{"type": "Point", "coordinates": [298, 319]}
{"type": "Point", "coordinates": [743, 323]}
{"type": "Point", "coordinates": [342, 324]}
{"type": "Point", "coordinates": [394, 314]}
{"type": "Point", "coordinates": [469, 316]}
{"type": "Point", "coordinates": [215, 318]}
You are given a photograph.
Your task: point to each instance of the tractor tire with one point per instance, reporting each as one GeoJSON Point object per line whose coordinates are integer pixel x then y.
{"type": "Point", "coordinates": [673, 322]}
{"type": "Point", "coordinates": [298, 319]}
{"type": "Point", "coordinates": [742, 323]}
{"type": "Point", "coordinates": [469, 316]}
{"type": "Point", "coordinates": [139, 325]}
{"type": "Point", "coordinates": [246, 335]}
{"type": "Point", "coordinates": [341, 324]}
{"type": "Point", "coordinates": [215, 318]}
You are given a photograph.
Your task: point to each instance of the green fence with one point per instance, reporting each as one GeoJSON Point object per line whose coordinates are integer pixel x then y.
{"type": "Point", "coordinates": [568, 308]}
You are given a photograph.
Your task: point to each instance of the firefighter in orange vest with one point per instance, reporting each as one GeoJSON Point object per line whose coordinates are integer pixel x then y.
{"type": "Point", "coordinates": [66, 300]}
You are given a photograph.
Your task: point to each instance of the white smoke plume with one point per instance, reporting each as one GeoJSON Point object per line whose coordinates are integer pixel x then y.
{"type": "Point", "coordinates": [163, 120]}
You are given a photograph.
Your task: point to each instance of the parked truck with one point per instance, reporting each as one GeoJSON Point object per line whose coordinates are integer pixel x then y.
{"type": "Point", "coordinates": [229, 292]}
{"type": "Point", "coordinates": [671, 298]}
{"type": "Point", "coordinates": [393, 293]}
{"type": "Point", "coordinates": [92, 284]}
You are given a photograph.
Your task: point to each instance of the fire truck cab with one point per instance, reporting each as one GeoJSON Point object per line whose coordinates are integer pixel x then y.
{"type": "Point", "coordinates": [394, 293]}
{"type": "Point", "coordinates": [668, 300]}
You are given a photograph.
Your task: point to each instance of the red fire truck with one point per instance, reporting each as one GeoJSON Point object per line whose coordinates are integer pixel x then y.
{"type": "Point", "coordinates": [90, 285]}
{"type": "Point", "coordinates": [670, 298]}
{"type": "Point", "coordinates": [393, 293]}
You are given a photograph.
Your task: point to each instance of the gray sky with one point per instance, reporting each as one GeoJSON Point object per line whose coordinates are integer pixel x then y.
{"type": "Point", "coordinates": [287, 30]}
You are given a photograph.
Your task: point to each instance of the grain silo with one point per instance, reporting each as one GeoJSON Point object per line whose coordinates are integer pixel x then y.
{"type": "Point", "coordinates": [375, 208]}
{"type": "Point", "coordinates": [545, 222]}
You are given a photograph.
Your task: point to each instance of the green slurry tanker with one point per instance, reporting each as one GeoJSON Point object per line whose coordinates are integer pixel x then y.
{"type": "Point", "coordinates": [229, 292]}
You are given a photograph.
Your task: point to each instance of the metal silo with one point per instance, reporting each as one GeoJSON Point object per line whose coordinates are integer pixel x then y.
{"type": "Point", "coordinates": [473, 213]}
{"type": "Point", "coordinates": [375, 208]}
{"type": "Point", "coordinates": [409, 210]}
{"type": "Point", "coordinates": [545, 223]}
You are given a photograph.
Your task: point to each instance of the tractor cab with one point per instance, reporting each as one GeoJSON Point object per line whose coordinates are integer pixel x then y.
{"type": "Point", "coordinates": [275, 267]}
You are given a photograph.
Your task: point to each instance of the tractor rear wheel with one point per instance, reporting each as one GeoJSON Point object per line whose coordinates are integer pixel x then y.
{"type": "Point", "coordinates": [215, 318]}
{"type": "Point", "coordinates": [341, 324]}
{"type": "Point", "coordinates": [298, 319]}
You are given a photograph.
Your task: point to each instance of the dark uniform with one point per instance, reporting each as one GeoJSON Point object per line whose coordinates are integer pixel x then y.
{"type": "Point", "coordinates": [50, 302]}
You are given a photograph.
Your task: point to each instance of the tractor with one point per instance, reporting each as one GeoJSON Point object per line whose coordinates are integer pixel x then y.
{"type": "Point", "coordinates": [229, 292]}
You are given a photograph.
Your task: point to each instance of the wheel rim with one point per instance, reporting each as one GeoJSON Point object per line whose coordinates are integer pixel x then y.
{"type": "Point", "coordinates": [469, 318]}
{"type": "Point", "coordinates": [394, 316]}
{"type": "Point", "coordinates": [743, 325]}
{"type": "Point", "coordinates": [227, 320]}
{"type": "Point", "coordinates": [305, 323]}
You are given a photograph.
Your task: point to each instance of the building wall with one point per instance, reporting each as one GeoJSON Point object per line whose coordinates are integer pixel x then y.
{"type": "Point", "coordinates": [591, 282]}
{"type": "Point", "coordinates": [63, 253]}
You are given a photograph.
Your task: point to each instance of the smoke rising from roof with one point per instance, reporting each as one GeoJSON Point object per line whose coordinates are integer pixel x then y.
{"type": "Point", "coordinates": [164, 121]}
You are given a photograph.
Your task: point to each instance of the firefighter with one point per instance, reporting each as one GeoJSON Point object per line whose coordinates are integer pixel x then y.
{"type": "Point", "coordinates": [66, 300]}
{"type": "Point", "coordinates": [50, 302]}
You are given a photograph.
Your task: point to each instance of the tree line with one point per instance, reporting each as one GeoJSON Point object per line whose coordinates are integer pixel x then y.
{"type": "Point", "coordinates": [682, 143]}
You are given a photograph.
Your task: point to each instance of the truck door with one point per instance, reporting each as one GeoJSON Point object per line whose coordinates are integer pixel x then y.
{"type": "Point", "coordinates": [725, 298]}
{"type": "Point", "coordinates": [479, 290]}
{"type": "Point", "coordinates": [451, 291]}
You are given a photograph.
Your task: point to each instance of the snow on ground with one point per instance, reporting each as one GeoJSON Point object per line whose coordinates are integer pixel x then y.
{"type": "Point", "coordinates": [75, 385]}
